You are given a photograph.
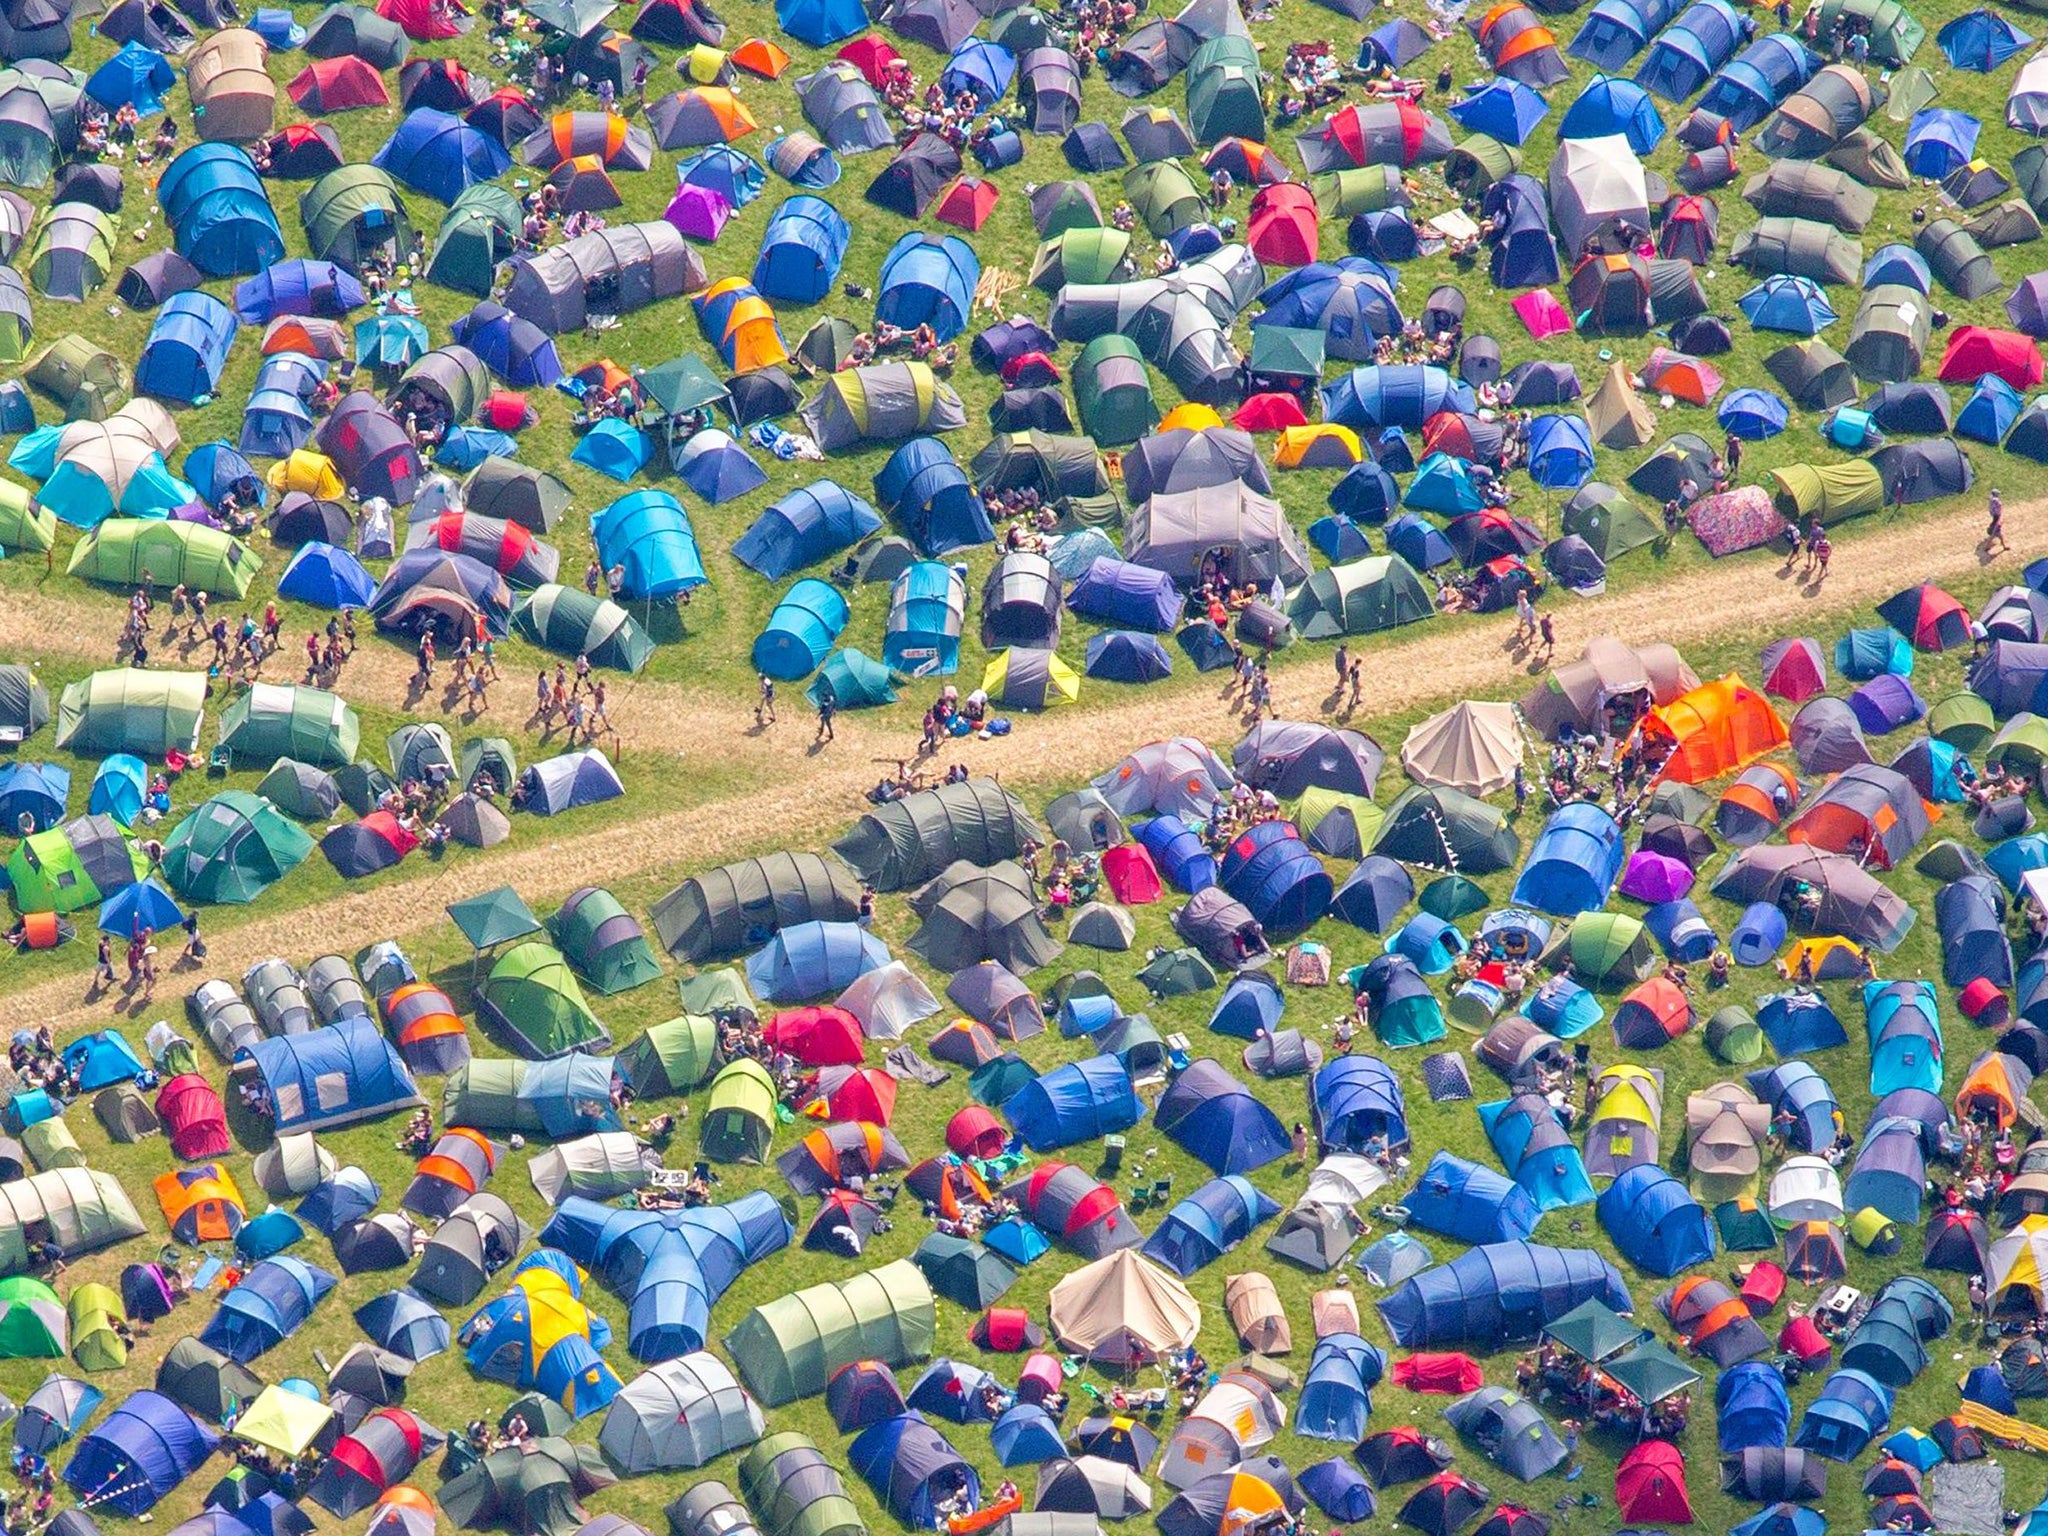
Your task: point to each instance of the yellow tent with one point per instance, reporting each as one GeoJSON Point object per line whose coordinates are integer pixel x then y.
{"type": "Point", "coordinates": [313, 473]}
{"type": "Point", "coordinates": [1318, 446]}
{"type": "Point", "coordinates": [1192, 415]}
{"type": "Point", "coordinates": [279, 1419]}
{"type": "Point", "coordinates": [1825, 959]}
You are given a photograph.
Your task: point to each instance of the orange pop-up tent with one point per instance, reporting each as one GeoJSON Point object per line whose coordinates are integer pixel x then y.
{"type": "Point", "coordinates": [1714, 729]}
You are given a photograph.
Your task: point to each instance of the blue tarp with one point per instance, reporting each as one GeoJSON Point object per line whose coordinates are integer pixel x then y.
{"type": "Point", "coordinates": [1575, 861]}
{"type": "Point", "coordinates": [1357, 1102]}
{"type": "Point", "coordinates": [1501, 1293]}
{"type": "Point", "coordinates": [803, 527]}
{"type": "Point", "coordinates": [1207, 1224]}
{"type": "Point", "coordinates": [1074, 1103]}
{"type": "Point", "coordinates": [801, 630]}
{"type": "Point", "coordinates": [1131, 596]}
{"type": "Point", "coordinates": [331, 1076]}
{"type": "Point", "coordinates": [1752, 1407]}
{"type": "Point", "coordinates": [1655, 1222]}
{"type": "Point", "coordinates": [219, 212]}
{"type": "Point", "coordinates": [1472, 1203]}
{"type": "Point", "coordinates": [187, 349]}
{"type": "Point", "coordinates": [1758, 79]}
{"type": "Point", "coordinates": [812, 959]}
{"type": "Point", "coordinates": [144, 1449]}
{"type": "Point", "coordinates": [271, 1303]}
{"type": "Point", "coordinates": [649, 533]}
{"type": "Point", "coordinates": [1336, 1390]}
{"type": "Point", "coordinates": [441, 155]}
{"type": "Point", "coordinates": [924, 489]}
{"type": "Point", "coordinates": [804, 243]}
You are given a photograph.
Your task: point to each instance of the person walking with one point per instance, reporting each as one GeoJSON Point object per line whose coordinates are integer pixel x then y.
{"type": "Point", "coordinates": [1342, 662]}
{"type": "Point", "coordinates": [826, 710]}
{"type": "Point", "coordinates": [1994, 532]}
{"type": "Point", "coordinates": [1822, 551]}
{"type": "Point", "coordinates": [103, 972]}
{"type": "Point", "coordinates": [1357, 680]}
{"type": "Point", "coordinates": [1549, 634]}
{"type": "Point", "coordinates": [479, 696]}
{"type": "Point", "coordinates": [1525, 618]}
{"type": "Point", "coordinates": [600, 719]}
{"type": "Point", "coordinates": [764, 708]}
{"type": "Point", "coordinates": [541, 710]}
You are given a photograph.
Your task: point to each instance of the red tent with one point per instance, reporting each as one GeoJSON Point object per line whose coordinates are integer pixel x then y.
{"type": "Point", "coordinates": [967, 203]}
{"type": "Point", "coordinates": [1132, 877]}
{"type": "Point", "coordinates": [303, 150]}
{"type": "Point", "coordinates": [856, 1093]}
{"type": "Point", "coordinates": [1029, 370]}
{"type": "Point", "coordinates": [506, 410]}
{"type": "Point", "coordinates": [1794, 669]}
{"type": "Point", "coordinates": [976, 1132]}
{"type": "Point", "coordinates": [1006, 1330]}
{"type": "Point", "coordinates": [338, 85]}
{"type": "Point", "coordinates": [1283, 224]}
{"type": "Point", "coordinates": [424, 20]}
{"type": "Point", "coordinates": [1929, 617]}
{"type": "Point", "coordinates": [1273, 411]}
{"type": "Point", "coordinates": [819, 1037]}
{"type": "Point", "coordinates": [441, 83]}
{"type": "Point", "coordinates": [1803, 1340]}
{"type": "Point", "coordinates": [1654, 1013]}
{"type": "Point", "coordinates": [873, 57]}
{"type": "Point", "coordinates": [1449, 1374]}
{"type": "Point", "coordinates": [193, 1117]}
{"type": "Point", "coordinates": [1649, 1485]}
{"type": "Point", "coordinates": [1975, 350]}
{"type": "Point", "coordinates": [1690, 224]}
{"type": "Point", "coordinates": [1762, 1287]}
{"type": "Point", "coordinates": [1982, 1003]}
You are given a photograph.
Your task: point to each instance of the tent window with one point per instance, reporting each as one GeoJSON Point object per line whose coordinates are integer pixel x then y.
{"type": "Point", "coordinates": [290, 1102]}
{"type": "Point", "coordinates": [330, 1090]}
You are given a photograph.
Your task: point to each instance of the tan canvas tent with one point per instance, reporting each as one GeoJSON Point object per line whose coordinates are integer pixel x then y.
{"type": "Point", "coordinates": [1256, 1314]}
{"type": "Point", "coordinates": [233, 96]}
{"type": "Point", "coordinates": [1123, 1309]}
{"type": "Point", "coordinates": [1616, 413]}
{"type": "Point", "coordinates": [1472, 746]}
{"type": "Point", "coordinates": [1724, 1133]}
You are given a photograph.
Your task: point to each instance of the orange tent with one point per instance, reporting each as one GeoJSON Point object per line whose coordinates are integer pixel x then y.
{"type": "Point", "coordinates": [1656, 1012]}
{"type": "Point", "coordinates": [758, 56]}
{"type": "Point", "coordinates": [1717, 728]}
{"type": "Point", "coordinates": [200, 1204]}
{"type": "Point", "coordinates": [1990, 1089]}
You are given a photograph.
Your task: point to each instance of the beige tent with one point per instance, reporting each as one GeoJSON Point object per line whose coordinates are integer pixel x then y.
{"type": "Point", "coordinates": [1474, 747]}
{"type": "Point", "coordinates": [233, 96]}
{"type": "Point", "coordinates": [1123, 1309]}
{"type": "Point", "coordinates": [1578, 692]}
{"type": "Point", "coordinates": [1724, 1133]}
{"type": "Point", "coordinates": [1616, 413]}
{"type": "Point", "coordinates": [1256, 1314]}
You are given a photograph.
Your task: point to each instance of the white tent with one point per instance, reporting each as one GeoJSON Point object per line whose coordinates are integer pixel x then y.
{"type": "Point", "coordinates": [681, 1413]}
{"type": "Point", "coordinates": [888, 1000]}
{"type": "Point", "coordinates": [2027, 107]}
{"type": "Point", "coordinates": [1594, 183]}
{"type": "Point", "coordinates": [1805, 1189]}
{"type": "Point", "coordinates": [1473, 747]}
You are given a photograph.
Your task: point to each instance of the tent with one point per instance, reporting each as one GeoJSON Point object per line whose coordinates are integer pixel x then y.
{"type": "Point", "coordinates": [230, 848]}
{"type": "Point", "coordinates": [1655, 1222]}
{"type": "Point", "coordinates": [1211, 1115]}
{"type": "Point", "coordinates": [1074, 1103]}
{"type": "Point", "coordinates": [677, 1415]}
{"type": "Point", "coordinates": [138, 1454]}
{"type": "Point", "coordinates": [785, 1352]}
{"type": "Point", "coordinates": [337, 1074]}
{"type": "Point", "coordinates": [1500, 1291]}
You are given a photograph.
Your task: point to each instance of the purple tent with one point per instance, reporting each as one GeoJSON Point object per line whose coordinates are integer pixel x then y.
{"type": "Point", "coordinates": [2027, 305]}
{"type": "Point", "coordinates": [698, 212]}
{"type": "Point", "coordinates": [1885, 703]}
{"type": "Point", "coordinates": [1655, 877]}
{"type": "Point", "coordinates": [1129, 596]}
{"type": "Point", "coordinates": [1012, 338]}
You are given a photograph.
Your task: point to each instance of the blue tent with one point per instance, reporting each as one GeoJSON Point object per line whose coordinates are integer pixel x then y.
{"type": "Point", "coordinates": [1783, 1520]}
{"type": "Point", "coordinates": [805, 241]}
{"type": "Point", "coordinates": [801, 630]}
{"type": "Point", "coordinates": [952, 1389]}
{"type": "Point", "coordinates": [1442, 483]}
{"type": "Point", "coordinates": [439, 154]}
{"type": "Point", "coordinates": [144, 1449]}
{"type": "Point", "coordinates": [1534, 1146]}
{"type": "Point", "coordinates": [1178, 853]}
{"type": "Point", "coordinates": [1970, 914]}
{"type": "Point", "coordinates": [1336, 537]}
{"type": "Point", "coordinates": [514, 349]}
{"type": "Point", "coordinates": [1393, 395]}
{"type": "Point", "coordinates": [1132, 596]}
{"type": "Point", "coordinates": [717, 468]}
{"type": "Point", "coordinates": [1939, 141]}
{"type": "Point", "coordinates": [103, 1058]}
{"type": "Point", "coordinates": [1616, 30]}
{"type": "Point", "coordinates": [1986, 1385]}
{"type": "Point", "coordinates": [1350, 300]}
{"type": "Point", "coordinates": [504, 1344]}
{"type": "Point", "coordinates": [911, 1469]}
{"type": "Point", "coordinates": [1428, 943]}
{"type": "Point", "coordinates": [803, 527]}
{"type": "Point", "coordinates": [1797, 305]}
{"type": "Point", "coordinates": [1207, 1224]}
{"type": "Point", "coordinates": [1357, 1102]}
{"type": "Point", "coordinates": [649, 533]}
{"type": "Point", "coordinates": [1756, 80]}
{"type": "Point", "coordinates": [1752, 1407]}
{"type": "Point", "coordinates": [1215, 1119]}
{"type": "Point", "coordinates": [560, 1093]}
{"type": "Point", "coordinates": [821, 23]}
{"type": "Point", "coordinates": [271, 1303]}
{"type": "Point", "coordinates": [1898, 264]}
{"type": "Point", "coordinates": [118, 787]}
{"type": "Point", "coordinates": [1852, 1408]}
{"type": "Point", "coordinates": [131, 910]}
{"type": "Point", "coordinates": [1277, 876]}
{"type": "Point", "coordinates": [927, 493]}
{"type": "Point", "coordinates": [1472, 1203]}
{"type": "Point", "coordinates": [1890, 1171]}
{"type": "Point", "coordinates": [219, 212]}
{"type": "Point", "coordinates": [217, 469]}
{"type": "Point", "coordinates": [1989, 413]}
{"type": "Point", "coordinates": [335, 1075]}
{"type": "Point", "coordinates": [297, 287]}
{"type": "Point", "coordinates": [722, 169]}
{"type": "Point", "coordinates": [1498, 1294]}
{"type": "Point", "coordinates": [1979, 40]}
{"type": "Point", "coordinates": [1339, 1490]}
{"type": "Point", "coordinates": [984, 70]}
{"type": "Point", "coordinates": [614, 448]}
{"type": "Point", "coordinates": [1560, 452]}
{"type": "Point", "coordinates": [1501, 109]}
{"type": "Point", "coordinates": [1125, 656]}
{"type": "Point", "coordinates": [1525, 254]}
{"type": "Point", "coordinates": [39, 791]}
{"type": "Point", "coordinates": [1691, 49]}
{"type": "Point", "coordinates": [135, 77]}
{"type": "Point", "coordinates": [1655, 1222]}
{"type": "Point", "coordinates": [928, 280]}
{"type": "Point", "coordinates": [1574, 863]}
{"type": "Point", "coordinates": [1250, 1006]}
{"type": "Point", "coordinates": [1025, 1435]}
{"type": "Point", "coordinates": [1863, 654]}
{"type": "Point", "coordinates": [1680, 929]}
{"type": "Point", "coordinates": [802, 161]}
{"type": "Point", "coordinates": [270, 1233]}
{"type": "Point", "coordinates": [1903, 1024]}
{"type": "Point", "coordinates": [1016, 1240]}
{"type": "Point", "coordinates": [1336, 1390]}
{"type": "Point", "coordinates": [277, 420]}
{"type": "Point", "coordinates": [813, 959]}
{"type": "Point", "coordinates": [403, 1322]}
{"type": "Point", "coordinates": [927, 602]}
{"type": "Point", "coordinates": [187, 349]}
{"type": "Point", "coordinates": [1754, 414]}
{"type": "Point", "coordinates": [1798, 1022]}
{"type": "Point", "coordinates": [339, 1201]}
{"type": "Point", "coordinates": [1074, 1103]}
{"type": "Point", "coordinates": [1795, 1088]}
{"type": "Point", "coordinates": [2009, 860]}
{"type": "Point", "coordinates": [325, 576]}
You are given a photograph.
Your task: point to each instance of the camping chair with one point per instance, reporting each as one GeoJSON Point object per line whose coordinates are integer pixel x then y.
{"type": "Point", "coordinates": [219, 762]}
{"type": "Point", "coordinates": [1162, 1189]}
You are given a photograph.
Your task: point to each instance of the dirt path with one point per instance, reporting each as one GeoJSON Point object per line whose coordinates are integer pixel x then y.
{"type": "Point", "coordinates": [1471, 661]}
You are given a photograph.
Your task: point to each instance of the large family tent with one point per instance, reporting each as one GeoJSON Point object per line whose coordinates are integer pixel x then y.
{"type": "Point", "coordinates": [1498, 1293]}
{"type": "Point", "coordinates": [124, 710]}
{"type": "Point", "coordinates": [231, 848]}
{"type": "Point", "coordinates": [138, 1454]}
{"type": "Point", "coordinates": [787, 1348]}
{"type": "Point", "coordinates": [335, 1075]}
{"type": "Point", "coordinates": [641, 263]}
{"type": "Point", "coordinates": [233, 96]}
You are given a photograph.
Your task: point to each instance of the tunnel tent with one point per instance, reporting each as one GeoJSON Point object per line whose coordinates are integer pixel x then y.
{"type": "Point", "coordinates": [220, 215]}
{"type": "Point", "coordinates": [186, 350]}
{"type": "Point", "coordinates": [639, 264]}
{"type": "Point", "coordinates": [233, 96]}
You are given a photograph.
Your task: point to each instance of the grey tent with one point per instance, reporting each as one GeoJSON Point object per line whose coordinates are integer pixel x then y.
{"type": "Point", "coordinates": [909, 841]}
{"type": "Point", "coordinates": [1799, 248]}
{"type": "Point", "coordinates": [1923, 471]}
{"type": "Point", "coordinates": [1100, 925]}
{"type": "Point", "coordinates": [1084, 821]}
{"type": "Point", "coordinates": [1290, 757]}
{"type": "Point", "coordinates": [1175, 532]}
{"type": "Point", "coordinates": [1181, 320]}
{"type": "Point", "coordinates": [628, 265]}
{"type": "Point", "coordinates": [24, 703]}
{"type": "Point", "coordinates": [1816, 117]}
{"type": "Point", "coordinates": [515, 493]}
{"type": "Point", "coordinates": [1956, 259]}
{"type": "Point", "coordinates": [1190, 459]}
{"type": "Point", "coordinates": [1847, 899]}
{"type": "Point", "coordinates": [300, 789]}
{"type": "Point", "coordinates": [1030, 677]}
{"type": "Point", "coordinates": [1813, 374]}
{"type": "Point", "coordinates": [994, 996]}
{"type": "Point", "coordinates": [1803, 190]}
{"type": "Point", "coordinates": [1510, 1429]}
{"type": "Point", "coordinates": [1827, 737]}
{"type": "Point", "coordinates": [480, 1237]}
{"type": "Point", "coordinates": [676, 1415]}
{"type": "Point", "coordinates": [1870, 158]}
{"type": "Point", "coordinates": [1888, 337]}
{"type": "Point", "coordinates": [1020, 602]}
{"type": "Point", "coordinates": [1048, 90]}
{"type": "Point", "coordinates": [839, 103]}
{"type": "Point", "coordinates": [1221, 927]}
{"type": "Point", "coordinates": [1316, 1235]}
{"type": "Point", "coordinates": [734, 907]}
{"type": "Point", "coordinates": [204, 1382]}
{"type": "Point", "coordinates": [973, 914]}
{"type": "Point", "coordinates": [357, 30]}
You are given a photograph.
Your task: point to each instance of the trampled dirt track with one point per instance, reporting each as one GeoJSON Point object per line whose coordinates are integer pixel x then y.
{"type": "Point", "coordinates": [803, 796]}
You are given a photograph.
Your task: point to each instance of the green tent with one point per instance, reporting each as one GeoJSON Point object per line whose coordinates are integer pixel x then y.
{"type": "Point", "coordinates": [1164, 196]}
{"type": "Point", "coordinates": [93, 1310]}
{"type": "Point", "coordinates": [274, 720]}
{"type": "Point", "coordinates": [1338, 824]}
{"type": "Point", "coordinates": [1441, 828]}
{"type": "Point", "coordinates": [24, 703]}
{"type": "Point", "coordinates": [1359, 598]}
{"type": "Point", "coordinates": [483, 1094]}
{"type": "Point", "coordinates": [479, 230]}
{"type": "Point", "coordinates": [515, 493]}
{"type": "Point", "coordinates": [2020, 745]}
{"type": "Point", "coordinates": [570, 622]}
{"type": "Point", "coordinates": [50, 1144]}
{"type": "Point", "coordinates": [122, 710]}
{"type": "Point", "coordinates": [852, 679]}
{"type": "Point", "coordinates": [789, 1347]}
{"type": "Point", "coordinates": [908, 841]}
{"type": "Point", "coordinates": [1113, 391]}
{"type": "Point", "coordinates": [1355, 190]}
{"type": "Point", "coordinates": [1177, 972]}
{"type": "Point", "coordinates": [491, 755]}
{"type": "Point", "coordinates": [1830, 492]}
{"type": "Point", "coordinates": [120, 549]}
{"type": "Point", "coordinates": [26, 527]}
{"type": "Point", "coordinates": [300, 790]}
{"type": "Point", "coordinates": [1610, 947]}
{"type": "Point", "coordinates": [671, 1058]}
{"type": "Point", "coordinates": [1476, 163]}
{"type": "Point", "coordinates": [1089, 254]}
{"type": "Point", "coordinates": [1608, 521]}
{"type": "Point", "coordinates": [32, 1322]}
{"type": "Point", "coordinates": [418, 747]}
{"type": "Point", "coordinates": [1593, 1331]}
{"type": "Point", "coordinates": [79, 1209]}
{"type": "Point", "coordinates": [1734, 1037]}
{"type": "Point", "coordinates": [716, 992]}
{"type": "Point", "coordinates": [72, 252]}
{"type": "Point", "coordinates": [1223, 91]}
{"type": "Point", "coordinates": [1963, 720]}
{"type": "Point", "coordinates": [1652, 1372]}
{"type": "Point", "coordinates": [353, 212]}
{"type": "Point", "coordinates": [1065, 206]}
{"type": "Point", "coordinates": [965, 1272]}
{"type": "Point", "coordinates": [532, 998]}
{"type": "Point", "coordinates": [739, 1116]}
{"type": "Point", "coordinates": [76, 864]}
{"type": "Point", "coordinates": [1745, 1226]}
{"type": "Point", "coordinates": [232, 848]}
{"type": "Point", "coordinates": [80, 375]}
{"type": "Point", "coordinates": [1895, 33]}
{"type": "Point", "coordinates": [794, 1490]}
{"type": "Point", "coordinates": [1288, 351]}
{"type": "Point", "coordinates": [493, 917]}
{"type": "Point", "coordinates": [603, 941]}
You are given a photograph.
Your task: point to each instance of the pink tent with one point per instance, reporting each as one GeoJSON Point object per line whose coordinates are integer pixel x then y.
{"type": "Point", "coordinates": [1541, 313]}
{"type": "Point", "coordinates": [698, 212]}
{"type": "Point", "coordinates": [1040, 1378]}
{"type": "Point", "coordinates": [1655, 877]}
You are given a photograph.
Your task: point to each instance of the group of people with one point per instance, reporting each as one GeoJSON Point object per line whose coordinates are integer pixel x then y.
{"type": "Point", "coordinates": [328, 650]}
